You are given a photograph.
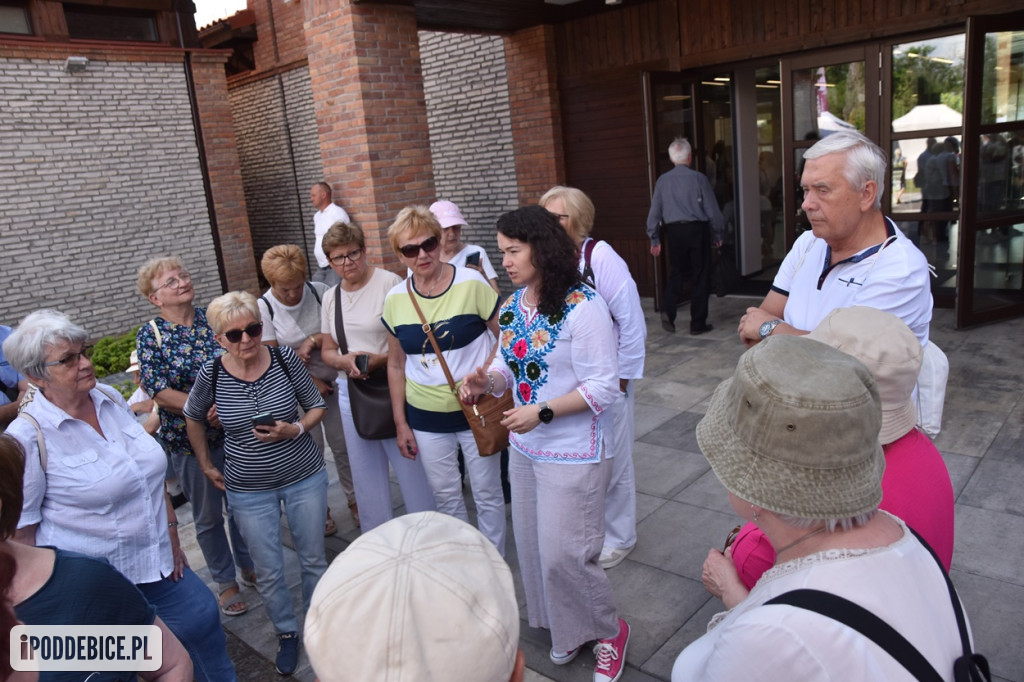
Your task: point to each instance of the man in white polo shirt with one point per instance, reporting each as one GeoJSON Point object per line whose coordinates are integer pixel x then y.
{"type": "Point", "coordinates": [327, 213]}
{"type": "Point", "coordinates": [853, 255]}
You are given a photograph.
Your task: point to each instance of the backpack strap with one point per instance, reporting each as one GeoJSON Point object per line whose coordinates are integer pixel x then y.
{"type": "Point", "coordinates": [275, 354]}
{"type": "Point", "coordinates": [270, 308]}
{"type": "Point", "coordinates": [866, 623]}
{"type": "Point", "coordinates": [40, 443]}
{"type": "Point", "coordinates": [588, 251]}
{"type": "Point", "coordinates": [312, 289]}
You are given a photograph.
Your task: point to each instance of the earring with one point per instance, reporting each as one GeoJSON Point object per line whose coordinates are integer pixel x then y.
{"type": "Point", "coordinates": [754, 509]}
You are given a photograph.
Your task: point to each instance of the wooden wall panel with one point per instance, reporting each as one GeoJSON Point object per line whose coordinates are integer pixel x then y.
{"type": "Point", "coordinates": [602, 122]}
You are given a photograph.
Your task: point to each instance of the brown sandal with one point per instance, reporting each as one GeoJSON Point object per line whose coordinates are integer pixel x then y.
{"type": "Point", "coordinates": [330, 528]}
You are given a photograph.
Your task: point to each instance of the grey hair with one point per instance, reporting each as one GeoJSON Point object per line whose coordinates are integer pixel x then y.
{"type": "Point", "coordinates": [680, 151]}
{"type": "Point", "coordinates": [27, 346]}
{"type": "Point", "coordinates": [225, 308]}
{"type": "Point", "coordinates": [830, 524]}
{"type": "Point", "coordinates": [865, 161]}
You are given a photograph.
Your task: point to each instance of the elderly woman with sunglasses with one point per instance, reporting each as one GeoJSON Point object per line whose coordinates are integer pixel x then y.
{"type": "Point", "coordinates": [171, 349]}
{"type": "Point", "coordinates": [270, 458]}
{"type": "Point", "coordinates": [94, 484]}
{"type": "Point", "coordinates": [462, 311]}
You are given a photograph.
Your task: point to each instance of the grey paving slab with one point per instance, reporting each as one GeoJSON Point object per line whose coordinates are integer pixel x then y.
{"type": "Point", "coordinates": [987, 544]}
{"type": "Point", "coordinates": [1009, 441]}
{"type": "Point", "coordinates": [660, 664]}
{"type": "Point", "coordinates": [662, 470]}
{"type": "Point", "coordinates": [994, 609]}
{"type": "Point", "coordinates": [960, 468]}
{"type": "Point", "coordinates": [995, 486]}
{"type": "Point", "coordinates": [968, 431]}
{"type": "Point", "coordinates": [676, 538]}
{"type": "Point", "coordinates": [677, 433]}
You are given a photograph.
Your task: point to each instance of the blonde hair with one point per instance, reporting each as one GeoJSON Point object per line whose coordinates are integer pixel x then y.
{"type": "Point", "coordinates": [153, 267]}
{"type": "Point", "coordinates": [283, 263]}
{"type": "Point", "coordinates": [412, 219]}
{"type": "Point", "coordinates": [578, 207]}
{"type": "Point", "coordinates": [227, 307]}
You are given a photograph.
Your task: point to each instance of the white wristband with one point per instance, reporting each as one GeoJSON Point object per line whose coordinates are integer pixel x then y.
{"type": "Point", "coordinates": [302, 429]}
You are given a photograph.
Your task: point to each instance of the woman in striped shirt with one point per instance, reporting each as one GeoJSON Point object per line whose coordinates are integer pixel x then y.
{"type": "Point", "coordinates": [270, 457]}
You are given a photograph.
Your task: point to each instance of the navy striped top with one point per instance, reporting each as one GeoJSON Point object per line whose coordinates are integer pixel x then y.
{"type": "Point", "coordinates": [250, 465]}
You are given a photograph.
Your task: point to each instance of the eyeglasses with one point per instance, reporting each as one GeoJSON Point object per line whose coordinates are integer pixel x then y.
{"type": "Point", "coordinates": [412, 250]}
{"type": "Point", "coordinates": [351, 257]}
{"type": "Point", "coordinates": [182, 279]}
{"type": "Point", "coordinates": [71, 359]}
{"type": "Point", "coordinates": [252, 331]}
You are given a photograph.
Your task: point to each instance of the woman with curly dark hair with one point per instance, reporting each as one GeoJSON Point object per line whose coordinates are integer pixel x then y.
{"type": "Point", "coordinates": [558, 357]}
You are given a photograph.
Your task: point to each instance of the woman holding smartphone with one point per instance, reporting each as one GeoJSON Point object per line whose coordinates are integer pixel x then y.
{"type": "Point", "coordinates": [270, 457]}
{"type": "Point", "coordinates": [362, 291]}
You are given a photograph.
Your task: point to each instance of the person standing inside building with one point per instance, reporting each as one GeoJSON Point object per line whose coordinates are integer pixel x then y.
{"type": "Point", "coordinates": [327, 213]}
{"type": "Point", "coordinates": [684, 202]}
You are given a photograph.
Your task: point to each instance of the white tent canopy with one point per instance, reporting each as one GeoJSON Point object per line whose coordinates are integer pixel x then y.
{"type": "Point", "coordinates": [923, 117]}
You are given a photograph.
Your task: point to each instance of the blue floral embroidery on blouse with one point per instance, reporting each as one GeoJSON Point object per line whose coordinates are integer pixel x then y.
{"type": "Point", "coordinates": [526, 341]}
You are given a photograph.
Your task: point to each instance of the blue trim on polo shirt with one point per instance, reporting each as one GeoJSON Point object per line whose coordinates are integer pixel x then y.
{"type": "Point", "coordinates": [890, 231]}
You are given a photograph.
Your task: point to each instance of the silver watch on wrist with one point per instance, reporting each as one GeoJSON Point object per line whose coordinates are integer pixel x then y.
{"type": "Point", "coordinates": [766, 329]}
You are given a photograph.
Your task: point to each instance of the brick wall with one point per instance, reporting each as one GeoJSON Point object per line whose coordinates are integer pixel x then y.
{"type": "Point", "coordinates": [471, 132]}
{"type": "Point", "coordinates": [536, 117]}
{"type": "Point", "coordinates": [280, 157]}
{"type": "Point", "coordinates": [100, 172]}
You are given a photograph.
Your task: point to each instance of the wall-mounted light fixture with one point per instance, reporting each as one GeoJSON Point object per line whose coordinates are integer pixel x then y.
{"type": "Point", "coordinates": [75, 64]}
{"type": "Point", "coordinates": [613, 2]}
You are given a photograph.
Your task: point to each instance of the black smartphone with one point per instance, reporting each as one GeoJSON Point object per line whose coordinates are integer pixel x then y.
{"type": "Point", "coordinates": [363, 363]}
{"type": "Point", "coordinates": [473, 258]}
{"type": "Point", "coordinates": [263, 419]}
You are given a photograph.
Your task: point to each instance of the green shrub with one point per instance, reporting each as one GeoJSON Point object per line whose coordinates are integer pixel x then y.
{"type": "Point", "coordinates": [112, 354]}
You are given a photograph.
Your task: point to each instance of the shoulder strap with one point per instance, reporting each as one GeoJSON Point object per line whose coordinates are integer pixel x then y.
{"type": "Point", "coordinates": [312, 289]}
{"type": "Point", "coordinates": [588, 250]}
{"type": "Point", "coordinates": [339, 327]}
{"type": "Point", "coordinates": [275, 354]}
{"type": "Point", "coordinates": [39, 438]}
{"type": "Point", "coordinates": [217, 362]}
{"type": "Point", "coordinates": [270, 308]}
{"type": "Point", "coordinates": [863, 621]}
{"type": "Point", "coordinates": [156, 333]}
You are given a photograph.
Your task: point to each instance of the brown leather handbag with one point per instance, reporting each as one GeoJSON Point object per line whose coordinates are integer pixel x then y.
{"type": "Point", "coordinates": [485, 416]}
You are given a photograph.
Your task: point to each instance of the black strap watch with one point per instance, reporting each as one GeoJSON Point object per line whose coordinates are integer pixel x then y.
{"type": "Point", "coordinates": [545, 413]}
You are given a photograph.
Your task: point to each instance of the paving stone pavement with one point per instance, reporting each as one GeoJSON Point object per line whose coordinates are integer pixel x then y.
{"type": "Point", "coordinates": [683, 510]}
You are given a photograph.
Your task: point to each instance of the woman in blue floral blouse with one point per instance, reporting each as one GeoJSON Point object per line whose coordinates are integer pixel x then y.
{"type": "Point", "coordinates": [558, 356]}
{"type": "Point", "coordinates": [172, 348]}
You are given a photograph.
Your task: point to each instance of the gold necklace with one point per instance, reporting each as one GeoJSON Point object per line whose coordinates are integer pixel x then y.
{"type": "Point", "coordinates": [796, 542]}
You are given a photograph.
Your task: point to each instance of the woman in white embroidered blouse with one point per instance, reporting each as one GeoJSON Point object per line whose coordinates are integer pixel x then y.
{"type": "Point", "coordinates": [99, 488]}
{"type": "Point", "coordinates": [558, 357]}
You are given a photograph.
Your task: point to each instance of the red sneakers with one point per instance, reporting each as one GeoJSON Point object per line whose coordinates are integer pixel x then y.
{"type": "Point", "coordinates": [611, 655]}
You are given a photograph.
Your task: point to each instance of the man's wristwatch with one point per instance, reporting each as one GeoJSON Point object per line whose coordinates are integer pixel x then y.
{"type": "Point", "coordinates": [545, 413]}
{"type": "Point", "coordinates": [767, 328]}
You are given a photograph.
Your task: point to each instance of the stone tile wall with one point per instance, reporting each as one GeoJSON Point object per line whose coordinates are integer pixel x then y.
{"type": "Point", "coordinates": [100, 172]}
{"type": "Point", "coordinates": [465, 82]}
{"type": "Point", "coordinates": [279, 151]}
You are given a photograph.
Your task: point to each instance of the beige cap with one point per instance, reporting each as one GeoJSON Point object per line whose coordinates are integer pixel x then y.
{"type": "Point", "coordinates": [892, 353]}
{"type": "Point", "coordinates": [422, 597]}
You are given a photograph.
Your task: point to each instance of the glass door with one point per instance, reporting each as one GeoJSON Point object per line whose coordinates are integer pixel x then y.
{"type": "Point", "coordinates": [992, 237]}
{"type": "Point", "coordinates": [823, 93]}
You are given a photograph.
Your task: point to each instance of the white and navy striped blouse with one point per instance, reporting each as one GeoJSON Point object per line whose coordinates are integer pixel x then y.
{"type": "Point", "coordinates": [250, 465]}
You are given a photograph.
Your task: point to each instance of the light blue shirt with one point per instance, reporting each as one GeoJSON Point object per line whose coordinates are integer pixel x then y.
{"type": "Point", "coordinates": [8, 376]}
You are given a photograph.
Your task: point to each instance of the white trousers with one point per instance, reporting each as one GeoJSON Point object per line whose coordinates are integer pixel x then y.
{"type": "Point", "coordinates": [439, 453]}
{"type": "Point", "coordinates": [369, 461]}
{"type": "Point", "coordinates": [620, 500]}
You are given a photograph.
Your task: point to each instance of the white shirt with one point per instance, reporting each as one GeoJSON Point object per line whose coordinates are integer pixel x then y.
{"type": "Point", "coordinates": [102, 497]}
{"type": "Point", "coordinates": [360, 313]}
{"type": "Point", "coordinates": [901, 584]}
{"type": "Point", "coordinates": [322, 221]}
{"type": "Point", "coordinates": [616, 286]}
{"type": "Point", "coordinates": [893, 278]}
{"type": "Point", "coordinates": [292, 325]}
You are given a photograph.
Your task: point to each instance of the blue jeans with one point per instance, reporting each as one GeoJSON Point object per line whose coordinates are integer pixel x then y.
{"type": "Point", "coordinates": [190, 611]}
{"type": "Point", "coordinates": [258, 515]}
{"type": "Point", "coordinates": [208, 513]}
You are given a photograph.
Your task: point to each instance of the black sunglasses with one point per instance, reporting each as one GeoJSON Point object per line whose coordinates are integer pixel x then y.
{"type": "Point", "coordinates": [413, 250]}
{"type": "Point", "coordinates": [253, 330]}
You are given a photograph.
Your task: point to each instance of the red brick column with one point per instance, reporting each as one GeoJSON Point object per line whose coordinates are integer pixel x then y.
{"type": "Point", "coordinates": [364, 65]}
{"type": "Point", "coordinates": [536, 116]}
{"type": "Point", "coordinates": [224, 170]}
